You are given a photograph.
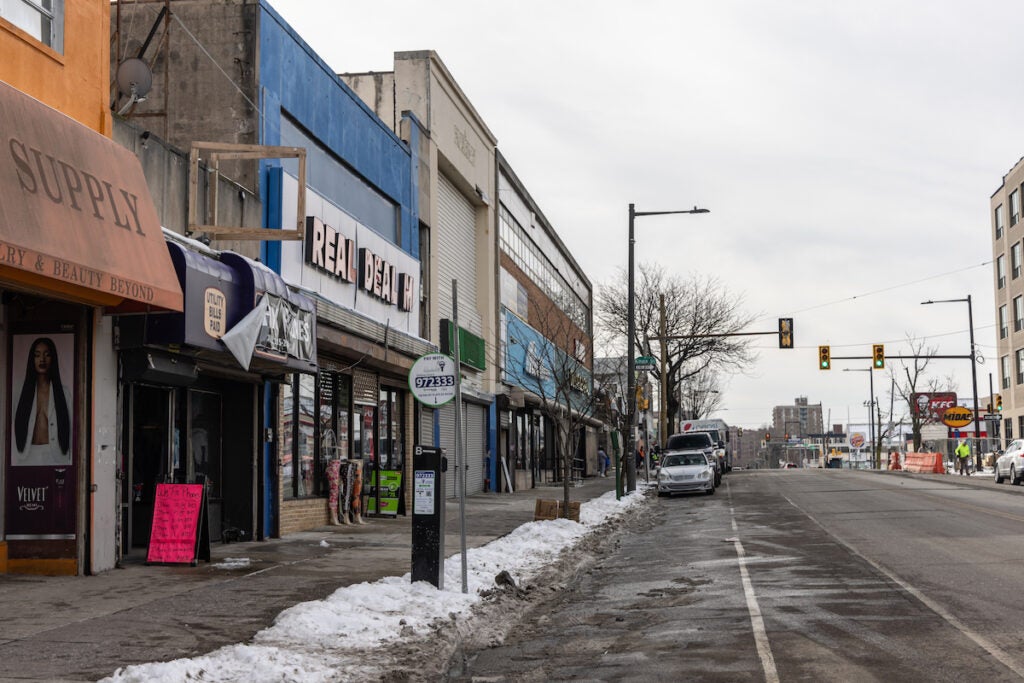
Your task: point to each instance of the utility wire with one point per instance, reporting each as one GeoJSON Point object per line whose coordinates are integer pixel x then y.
{"type": "Point", "coordinates": [890, 288]}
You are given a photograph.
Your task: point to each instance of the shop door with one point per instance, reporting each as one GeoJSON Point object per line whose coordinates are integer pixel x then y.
{"type": "Point", "coordinates": [476, 451]}
{"type": "Point", "coordinates": [205, 451]}
{"type": "Point", "coordinates": [152, 458]}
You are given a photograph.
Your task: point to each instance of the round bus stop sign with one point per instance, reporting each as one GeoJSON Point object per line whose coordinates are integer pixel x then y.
{"type": "Point", "coordinates": [432, 379]}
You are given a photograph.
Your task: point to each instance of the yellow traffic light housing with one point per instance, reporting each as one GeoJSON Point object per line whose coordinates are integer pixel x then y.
{"type": "Point", "coordinates": [824, 358]}
{"type": "Point", "coordinates": [999, 403]}
{"type": "Point", "coordinates": [785, 333]}
{"type": "Point", "coordinates": [878, 356]}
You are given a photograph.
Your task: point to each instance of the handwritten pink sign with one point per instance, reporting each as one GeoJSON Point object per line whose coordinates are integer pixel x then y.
{"type": "Point", "coordinates": [176, 515]}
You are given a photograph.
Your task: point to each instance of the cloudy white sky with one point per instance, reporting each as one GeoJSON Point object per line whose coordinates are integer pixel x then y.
{"type": "Point", "coordinates": [847, 153]}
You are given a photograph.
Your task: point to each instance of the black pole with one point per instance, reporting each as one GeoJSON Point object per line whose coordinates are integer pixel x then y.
{"type": "Point", "coordinates": [974, 383]}
{"type": "Point", "coordinates": [630, 450]}
{"type": "Point", "coordinates": [871, 417]}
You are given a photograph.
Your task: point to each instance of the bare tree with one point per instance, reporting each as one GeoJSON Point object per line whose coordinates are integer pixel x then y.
{"type": "Point", "coordinates": [547, 357]}
{"type": "Point", "coordinates": [700, 314]}
{"type": "Point", "coordinates": [699, 395]}
{"type": "Point", "coordinates": [910, 378]}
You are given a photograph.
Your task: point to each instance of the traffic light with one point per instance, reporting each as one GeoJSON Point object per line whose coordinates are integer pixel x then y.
{"type": "Point", "coordinates": [999, 403]}
{"type": "Point", "coordinates": [642, 402]}
{"type": "Point", "coordinates": [739, 432]}
{"type": "Point", "coordinates": [767, 436]}
{"type": "Point", "coordinates": [824, 358]}
{"type": "Point", "coordinates": [785, 333]}
{"type": "Point", "coordinates": [878, 356]}
{"type": "Point", "coordinates": [988, 407]}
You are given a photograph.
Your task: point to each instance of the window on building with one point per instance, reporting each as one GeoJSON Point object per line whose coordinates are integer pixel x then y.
{"type": "Point", "coordinates": [1004, 368]}
{"type": "Point", "coordinates": [1020, 366]}
{"type": "Point", "coordinates": [1018, 313]}
{"type": "Point", "coordinates": [42, 19]}
{"type": "Point", "coordinates": [998, 218]}
{"type": "Point", "coordinates": [318, 435]}
{"type": "Point", "coordinates": [1004, 322]}
{"type": "Point", "coordinates": [1001, 271]}
{"type": "Point", "coordinates": [332, 419]}
{"type": "Point", "coordinates": [286, 429]}
{"type": "Point", "coordinates": [1014, 207]}
{"type": "Point", "coordinates": [1008, 428]}
{"type": "Point", "coordinates": [547, 268]}
{"type": "Point", "coordinates": [1015, 261]}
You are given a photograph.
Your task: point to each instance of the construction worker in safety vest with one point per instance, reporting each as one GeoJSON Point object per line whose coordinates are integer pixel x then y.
{"type": "Point", "coordinates": [963, 453]}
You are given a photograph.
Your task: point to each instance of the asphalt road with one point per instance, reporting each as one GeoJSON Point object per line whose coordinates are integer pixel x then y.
{"type": "Point", "coordinates": [787, 575]}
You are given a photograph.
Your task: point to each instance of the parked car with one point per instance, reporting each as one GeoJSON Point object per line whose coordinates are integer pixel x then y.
{"type": "Point", "coordinates": [1010, 465]}
{"type": "Point", "coordinates": [701, 441]}
{"type": "Point", "coordinates": [685, 472]}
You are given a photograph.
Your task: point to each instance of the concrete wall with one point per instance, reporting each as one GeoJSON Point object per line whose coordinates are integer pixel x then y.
{"type": "Point", "coordinates": [166, 170]}
{"type": "Point", "coordinates": [192, 98]}
{"type": "Point", "coordinates": [106, 447]}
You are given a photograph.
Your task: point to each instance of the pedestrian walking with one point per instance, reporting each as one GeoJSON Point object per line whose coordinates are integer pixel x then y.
{"type": "Point", "coordinates": [602, 461]}
{"type": "Point", "coordinates": [963, 454]}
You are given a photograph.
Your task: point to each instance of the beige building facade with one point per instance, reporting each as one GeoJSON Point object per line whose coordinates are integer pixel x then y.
{"type": "Point", "coordinates": [1007, 225]}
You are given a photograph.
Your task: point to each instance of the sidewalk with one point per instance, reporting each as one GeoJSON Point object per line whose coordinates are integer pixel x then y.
{"type": "Point", "coordinates": [83, 628]}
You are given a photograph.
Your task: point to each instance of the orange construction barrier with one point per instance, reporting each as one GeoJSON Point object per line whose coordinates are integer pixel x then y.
{"type": "Point", "coordinates": [894, 461]}
{"type": "Point", "coordinates": [924, 463]}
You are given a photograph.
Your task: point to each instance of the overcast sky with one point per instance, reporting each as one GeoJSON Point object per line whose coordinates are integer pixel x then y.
{"type": "Point", "coordinates": [847, 152]}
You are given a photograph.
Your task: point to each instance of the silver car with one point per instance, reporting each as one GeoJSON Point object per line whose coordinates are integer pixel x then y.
{"type": "Point", "coordinates": [685, 472]}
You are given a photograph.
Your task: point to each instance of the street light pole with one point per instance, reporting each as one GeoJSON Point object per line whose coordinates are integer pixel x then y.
{"type": "Point", "coordinates": [974, 364]}
{"type": "Point", "coordinates": [871, 409]}
{"type": "Point", "coordinates": [630, 450]}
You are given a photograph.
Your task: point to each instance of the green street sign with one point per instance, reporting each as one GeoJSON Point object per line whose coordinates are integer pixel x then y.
{"type": "Point", "coordinates": [646, 363]}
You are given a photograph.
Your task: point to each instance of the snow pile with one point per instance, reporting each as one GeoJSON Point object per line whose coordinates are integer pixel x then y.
{"type": "Point", "coordinates": [233, 563]}
{"type": "Point", "coordinates": [314, 641]}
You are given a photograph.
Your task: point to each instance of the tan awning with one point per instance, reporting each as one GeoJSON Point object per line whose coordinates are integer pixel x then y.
{"type": "Point", "coordinates": [76, 216]}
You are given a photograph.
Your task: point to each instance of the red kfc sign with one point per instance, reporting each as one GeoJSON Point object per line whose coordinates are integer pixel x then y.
{"type": "Point", "coordinates": [931, 406]}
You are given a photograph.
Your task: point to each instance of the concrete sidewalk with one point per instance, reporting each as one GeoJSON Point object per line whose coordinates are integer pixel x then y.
{"type": "Point", "coordinates": [84, 628]}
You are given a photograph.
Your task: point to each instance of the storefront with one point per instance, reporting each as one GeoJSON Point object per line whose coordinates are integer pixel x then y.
{"type": "Point", "coordinates": [357, 409]}
{"type": "Point", "coordinates": [78, 236]}
{"type": "Point", "coordinates": [193, 390]}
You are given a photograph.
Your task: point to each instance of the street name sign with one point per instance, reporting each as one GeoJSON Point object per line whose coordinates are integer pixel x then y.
{"type": "Point", "coordinates": [432, 379]}
{"type": "Point", "coordinates": [645, 363]}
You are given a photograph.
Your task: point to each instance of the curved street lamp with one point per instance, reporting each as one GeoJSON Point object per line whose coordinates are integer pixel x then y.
{"type": "Point", "coordinates": [630, 450]}
{"type": "Point", "coordinates": [974, 369]}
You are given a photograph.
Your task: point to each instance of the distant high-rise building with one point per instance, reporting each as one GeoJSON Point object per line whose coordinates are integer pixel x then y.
{"type": "Point", "coordinates": [800, 419]}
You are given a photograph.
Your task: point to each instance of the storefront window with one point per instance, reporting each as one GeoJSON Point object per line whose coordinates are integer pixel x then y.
{"type": "Point", "coordinates": [392, 452]}
{"type": "Point", "coordinates": [306, 439]}
{"type": "Point", "coordinates": [363, 436]}
{"type": "Point", "coordinates": [287, 441]}
{"type": "Point", "coordinates": [333, 418]}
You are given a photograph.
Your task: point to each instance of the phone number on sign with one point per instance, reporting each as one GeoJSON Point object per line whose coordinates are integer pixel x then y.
{"type": "Point", "coordinates": [431, 382]}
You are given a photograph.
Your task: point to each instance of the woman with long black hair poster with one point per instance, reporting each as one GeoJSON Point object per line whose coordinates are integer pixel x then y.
{"type": "Point", "coordinates": [41, 401]}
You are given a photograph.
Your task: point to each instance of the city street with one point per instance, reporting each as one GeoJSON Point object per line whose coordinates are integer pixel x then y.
{"type": "Point", "coordinates": [788, 575]}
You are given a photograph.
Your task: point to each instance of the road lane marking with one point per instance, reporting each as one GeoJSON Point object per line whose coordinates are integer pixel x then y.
{"type": "Point", "coordinates": [764, 649]}
{"type": "Point", "coordinates": [983, 642]}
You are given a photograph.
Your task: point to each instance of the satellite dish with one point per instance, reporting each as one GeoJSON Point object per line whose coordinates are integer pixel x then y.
{"type": "Point", "coordinates": [134, 78]}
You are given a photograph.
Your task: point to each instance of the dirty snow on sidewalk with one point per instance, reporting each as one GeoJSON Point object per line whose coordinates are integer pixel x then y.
{"type": "Point", "coordinates": [334, 638]}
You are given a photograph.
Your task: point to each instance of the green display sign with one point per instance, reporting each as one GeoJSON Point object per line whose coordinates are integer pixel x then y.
{"type": "Point", "coordinates": [390, 488]}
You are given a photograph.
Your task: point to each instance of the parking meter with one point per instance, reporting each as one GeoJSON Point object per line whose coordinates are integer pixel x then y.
{"type": "Point", "coordinates": [428, 499]}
